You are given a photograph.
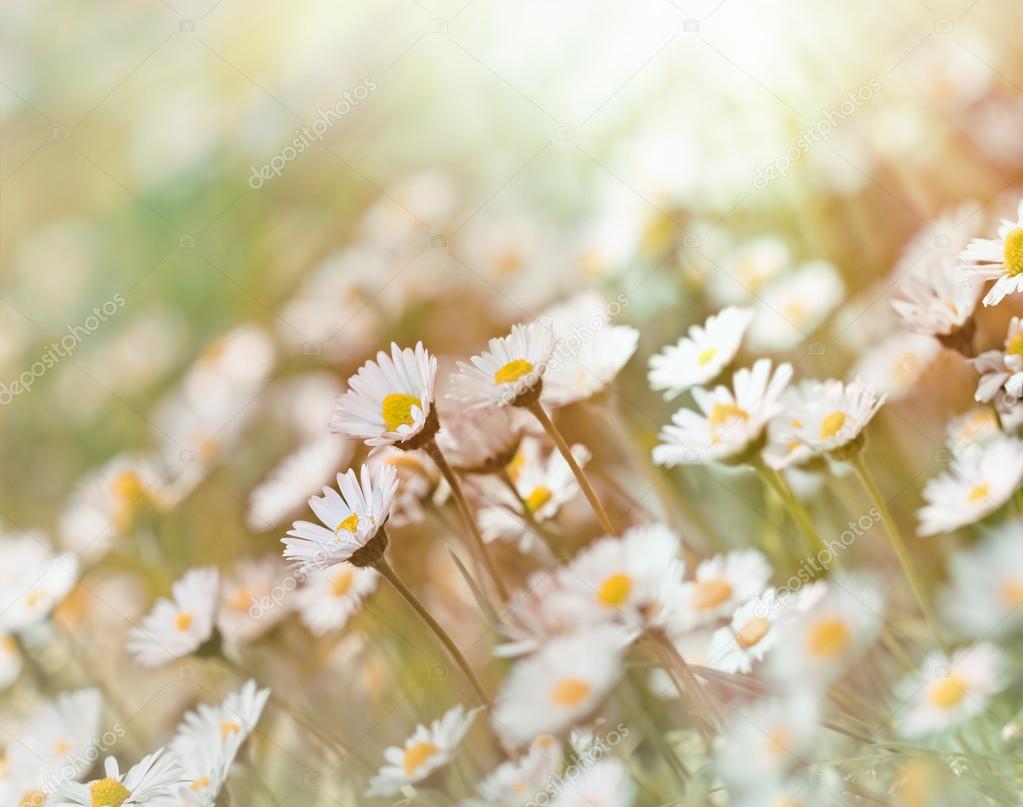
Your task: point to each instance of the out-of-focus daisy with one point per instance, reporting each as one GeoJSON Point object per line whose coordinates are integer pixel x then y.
{"type": "Point", "coordinates": [286, 488]}
{"type": "Point", "coordinates": [946, 692]}
{"type": "Point", "coordinates": [749, 636]}
{"type": "Point", "coordinates": [426, 199]}
{"type": "Point", "coordinates": [10, 660]}
{"type": "Point", "coordinates": [106, 503]}
{"type": "Point", "coordinates": [795, 306]}
{"type": "Point", "coordinates": [605, 784]}
{"type": "Point", "coordinates": [560, 685]}
{"type": "Point", "coordinates": [719, 586]}
{"type": "Point", "coordinates": [589, 351]}
{"type": "Point", "coordinates": [33, 580]}
{"type": "Point", "coordinates": [624, 578]}
{"type": "Point", "coordinates": [241, 615]}
{"type": "Point", "coordinates": [208, 740]}
{"type": "Point", "coordinates": [480, 441]}
{"type": "Point", "coordinates": [828, 415]}
{"type": "Point", "coordinates": [984, 595]}
{"type": "Point", "coordinates": [153, 781]}
{"type": "Point", "coordinates": [976, 427]}
{"type": "Point", "coordinates": [509, 372]}
{"type": "Point", "coordinates": [544, 483]}
{"type": "Point", "coordinates": [419, 482]}
{"type": "Point", "coordinates": [429, 748]}
{"type": "Point", "coordinates": [932, 297]}
{"type": "Point", "coordinates": [768, 740]}
{"type": "Point", "coordinates": [699, 356]}
{"type": "Point", "coordinates": [748, 270]}
{"type": "Point", "coordinates": [542, 611]}
{"type": "Point", "coordinates": [894, 367]}
{"type": "Point", "coordinates": [332, 596]}
{"type": "Point", "coordinates": [1002, 368]}
{"type": "Point", "coordinates": [519, 779]}
{"type": "Point", "coordinates": [58, 740]}
{"type": "Point", "coordinates": [729, 423]}
{"type": "Point", "coordinates": [980, 480]}
{"type": "Point", "coordinates": [817, 642]}
{"type": "Point", "coordinates": [178, 626]}
{"type": "Point", "coordinates": [999, 259]}
{"type": "Point", "coordinates": [229, 371]}
{"type": "Point", "coordinates": [390, 401]}
{"type": "Point", "coordinates": [349, 520]}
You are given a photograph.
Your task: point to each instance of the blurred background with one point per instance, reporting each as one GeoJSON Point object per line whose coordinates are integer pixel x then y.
{"type": "Point", "coordinates": [212, 212]}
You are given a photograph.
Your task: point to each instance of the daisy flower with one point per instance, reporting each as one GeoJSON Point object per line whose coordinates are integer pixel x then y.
{"type": "Point", "coordinates": [10, 660]}
{"type": "Point", "coordinates": [749, 636]}
{"type": "Point", "coordinates": [999, 259]}
{"type": "Point", "coordinates": [984, 595]}
{"type": "Point", "coordinates": [945, 693]}
{"type": "Point", "coordinates": [728, 423]}
{"type": "Point", "coordinates": [768, 740]}
{"type": "Point", "coordinates": [179, 626]}
{"type": "Point", "coordinates": [720, 585]}
{"type": "Point", "coordinates": [604, 784]}
{"type": "Point", "coordinates": [208, 740]}
{"type": "Point", "coordinates": [419, 482]}
{"type": "Point", "coordinates": [480, 441]}
{"type": "Point", "coordinates": [58, 741]}
{"type": "Point", "coordinates": [1000, 369]}
{"type": "Point", "coordinates": [390, 401]}
{"type": "Point", "coordinates": [828, 415]}
{"type": "Point", "coordinates": [894, 367]}
{"type": "Point", "coordinates": [241, 616]}
{"type": "Point", "coordinates": [33, 580]}
{"type": "Point", "coordinates": [153, 781]}
{"type": "Point", "coordinates": [332, 596]}
{"type": "Point", "coordinates": [349, 520]}
{"type": "Point", "coordinates": [510, 372]}
{"type": "Point", "coordinates": [514, 780]}
{"type": "Point", "coordinates": [429, 748]}
{"type": "Point", "coordinates": [541, 611]}
{"type": "Point", "coordinates": [979, 481]}
{"type": "Point", "coordinates": [229, 371]}
{"type": "Point", "coordinates": [286, 488]}
{"type": "Point", "coordinates": [624, 578]}
{"type": "Point", "coordinates": [560, 685]}
{"type": "Point", "coordinates": [976, 427]}
{"type": "Point", "coordinates": [589, 352]}
{"type": "Point", "coordinates": [822, 635]}
{"type": "Point", "coordinates": [748, 270]}
{"type": "Point", "coordinates": [795, 306]}
{"type": "Point", "coordinates": [700, 356]}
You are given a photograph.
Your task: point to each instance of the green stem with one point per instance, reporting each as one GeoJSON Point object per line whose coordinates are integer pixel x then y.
{"type": "Point", "coordinates": [566, 452]}
{"type": "Point", "coordinates": [899, 545]}
{"type": "Point", "coordinates": [526, 514]}
{"type": "Point", "coordinates": [391, 577]}
{"type": "Point", "coordinates": [796, 512]}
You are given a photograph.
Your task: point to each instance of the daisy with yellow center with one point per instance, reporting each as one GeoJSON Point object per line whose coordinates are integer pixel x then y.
{"type": "Point", "coordinates": [252, 600]}
{"type": "Point", "coordinates": [156, 779]}
{"type": "Point", "coordinates": [62, 734]}
{"type": "Point", "coordinates": [429, 748]}
{"type": "Point", "coordinates": [1002, 369]}
{"type": "Point", "coordinates": [749, 637]}
{"type": "Point", "coordinates": [33, 579]}
{"type": "Point", "coordinates": [390, 400]}
{"type": "Point", "coordinates": [720, 585]}
{"type": "Point", "coordinates": [330, 597]}
{"type": "Point", "coordinates": [177, 627]}
{"type": "Point", "coordinates": [513, 781]}
{"type": "Point", "coordinates": [999, 259]}
{"type": "Point", "coordinates": [948, 691]}
{"type": "Point", "coordinates": [825, 416]}
{"type": "Point", "coordinates": [510, 371]}
{"type": "Point", "coordinates": [895, 366]}
{"type": "Point", "coordinates": [794, 306]}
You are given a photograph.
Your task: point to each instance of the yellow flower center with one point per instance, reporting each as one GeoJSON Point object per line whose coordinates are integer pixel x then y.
{"type": "Point", "coordinates": [832, 424]}
{"type": "Point", "coordinates": [538, 498]}
{"type": "Point", "coordinates": [229, 727]}
{"type": "Point", "coordinates": [183, 621]}
{"type": "Point", "coordinates": [61, 747]}
{"type": "Point", "coordinates": [512, 371]}
{"type": "Point", "coordinates": [723, 414]}
{"type": "Point", "coordinates": [570, 692]}
{"type": "Point", "coordinates": [615, 590]}
{"type": "Point", "coordinates": [828, 638]}
{"type": "Point", "coordinates": [201, 783]}
{"type": "Point", "coordinates": [397, 410]}
{"type": "Point", "coordinates": [514, 467]}
{"type": "Point", "coordinates": [341, 582]}
{"type": "Point", "coordinates": [108, 793]}
{"type": "Point", "coordinates": [796, 313]}
{"type": "Point", "coordinates": [978, 492]}
{"type": "Point", "coordinates": [241, 599]}
{"type": "Point", "coordinates": [1011, 593]}
{"type": "Point", "coordinates": [711, 593]}
{"type": "Point", "coordinates": [1015, 344]}
{"type": "Point", "coordinates": [1013, 252]}
{"type": "Point", "coordinates": [416, 756]}
{"type": "Point", "coordinates": [707, 356]}
{"type": "Point", "coordinates": [779, 741]}
{"type": "Point", "coordinates": [947, 692]}
{"type": "Point", "coordinates": [508, 262]}
{"type": "Point", "coordinates": [128, 486]}
{"type": "Point", "coordinates": [753, 631]}
{"type": "Point", "coordinates": [7, 643]}
{"type": "Point", "coordinates": [34, 597]}
{"type": "Point", "coordinates": [349, 524]}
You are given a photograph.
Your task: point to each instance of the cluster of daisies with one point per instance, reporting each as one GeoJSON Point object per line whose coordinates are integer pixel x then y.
{"type": "Point", "coordinates": [596, 649]}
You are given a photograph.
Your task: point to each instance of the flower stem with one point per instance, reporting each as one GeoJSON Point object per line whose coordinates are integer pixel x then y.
{"type": "Point", "coordinates": [566, 452]}
{"type": "Point", "coordinates": [899, 545]}
{"type": "Point", "coordinates": [527, 515]}
{"type": "Point", "coordinates": [796, 512]}
{"type": "Point", "coordinates": [470, 523]}
{"type": "Point", "coordinates": [391, 576]}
